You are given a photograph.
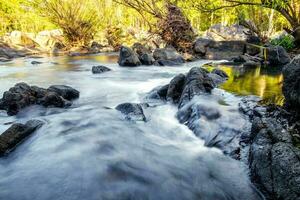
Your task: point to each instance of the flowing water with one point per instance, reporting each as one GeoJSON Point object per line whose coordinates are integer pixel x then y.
{"type": "Point", "coordinates": [90, 152]}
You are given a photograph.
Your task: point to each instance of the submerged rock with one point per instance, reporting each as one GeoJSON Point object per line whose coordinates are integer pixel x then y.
{"type": "Point", "coordinates": [23, 95]}
{"type": "Point", "coordinates": [128, 58]}
{"type": "Point", "coordinates": [132, 111]}
{"type": "Point", "coordinates": [16, 134]}
{"type": "Point", "coordinates": [291, 84]}
{"type": "Point", "coordinates": [100, 69]}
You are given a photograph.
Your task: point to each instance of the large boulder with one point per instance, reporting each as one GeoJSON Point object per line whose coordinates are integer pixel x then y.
{"type": "Point", "coordinates": [23, 95]}
{"type": "Point", "coordinates": [132, 111]}
{"type": "Point", "coordinates": [175, 88]}
{"type": "Point", "coordinates": [219, 50]}
{"type": "Point", "coordinates": [200, 46]}
{"type": "Point", "coordinates": [182, 88]}
{"type": "Point", "coordinates": [291, 84]}
{"type": "Point", "coordinates": [277, 55]}
{"type": "Point", "coordinates": [128, 58]}
{"type": "Point", "coordinates": [167, 57]}
{"type": "Point", "coordinates": [219, 32]}
{"type": "Point", "coordinates": [144, 54]}
{"type": "Point", "coordinates": [16, 134]}
{"type": "Point", "coordinates": [274, 160]}
{"type": "Point", "coordinates": [50, 40]}
{"type": "Point", "coordinates": [197, 82]}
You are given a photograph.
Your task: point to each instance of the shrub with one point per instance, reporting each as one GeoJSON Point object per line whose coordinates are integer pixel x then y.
{"type": "Point", "coordinates": [76, 18]}
{"type": "Point", "coordinates": [286, 41]}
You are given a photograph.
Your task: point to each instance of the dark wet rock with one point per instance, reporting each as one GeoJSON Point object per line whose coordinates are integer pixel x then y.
{"type": "Point", "coordinates": [128, 58]}
{"type": "Point", "coordinates": [175, 88]}
{"type": "Point", "coordinates": [248, 104]}
{"type": "Point", "coordinates": [100, 69]}
{"type": "Point", "coordinates": [220, 73]}
{"type": "Point", "coordinates": [132, 111]}
{"type": "Point", "coordinates": [36, 62]}
{"type": "Point", "coordinates": [248, 60]}
{"type": "Point", "coordinates": [253, 39]}
{"type": "Point", "coordinates": [66, 92]}
{"type": "Point", "coordinates": [23, 95]}
{"type": "Point", "coordinates": [197, 82]}
{"type": "Point", "coordinates": [147, 59]}
{"type": "Point", "coordinates": [16, 134]}
{"type": "Point", "coordinates": [167, 57]}
{"type": "Point", "coordinates": [274, 160]}
{"type": "Point", "coordinates": [277, 55]}
{"type": "Point", "coordinates": [158, 93]}
{"type": "Point", "coordinates": [291, 84]}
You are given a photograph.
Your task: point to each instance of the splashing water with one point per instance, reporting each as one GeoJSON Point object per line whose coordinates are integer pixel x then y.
{"type": "Point", "coordinates": [90, 152]}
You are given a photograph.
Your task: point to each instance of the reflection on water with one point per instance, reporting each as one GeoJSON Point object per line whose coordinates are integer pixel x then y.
{"type": "Point", "coordinates": [264, 82]}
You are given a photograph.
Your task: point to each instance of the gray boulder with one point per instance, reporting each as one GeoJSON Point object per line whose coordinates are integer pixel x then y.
{"type": "Point", "coordinates": [167, 57]}
{"type": "Point", "coordinates": [291, 84]}
{"type": "Point", "coordinates": [16, 134]}
{"type": "Point", "coordinates": [274, 160]}
{"type": "Point", "coordinates": [197, 82]}
{"type": "Point", "coordinates": [128, 58]}
{"type": "Point", "coordinates": [277, 55]}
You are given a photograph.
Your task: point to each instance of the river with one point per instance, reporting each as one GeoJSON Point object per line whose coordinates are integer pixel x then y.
{"type": "Point", "coordinates": [88, 151]}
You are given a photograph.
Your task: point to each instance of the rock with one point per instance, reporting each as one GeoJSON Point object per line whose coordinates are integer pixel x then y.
{"type": "Point", "coordinates": [200, 46]}
{"type": "Point", "coordinates": [147, 59]}
{"type": "Point", "coordinates": [20, 38]}
{"type": "Point", "coordinates": [277, 55]}
{"type": "Point", "coordinates": [220, 73]}
{"type": "Point", "coordinates": [132, 111]}
{"type": "Point", "coordinates": [218, 76]}
{"type": "Point", "coordinates": [51, 40]}
{"type": "Point", "coordinates": [128, 57]}
{"type": "Point", "coordinates": [248, 60]}
{"type": "Point", "coordinates": [197, 82]}
{"type": "Point", "coordinates": [225, 50]}
{"type": "Point", "coordinates": [175, 88]}
{"type": "Point", "coordinates": [9, 53]}
{"type": "Point", "coordinates": [23, 95]}
{"type": "Point", "coordinates": [291, 84]}
{"type": "Point", "coordinates": [219, 32]}
{"type": "Point", "coordinates": [274, 161]}
{"type": "Point", "coordinates": [100, 69]}
{"type": "Point", "coordinates": [36, 62]}
{"type": "Point", "coordinates": [66, 92]}
{"type": "Point", "coordinates": [167, 57]}
{"type": "Point", "coordinates": [16, 134]}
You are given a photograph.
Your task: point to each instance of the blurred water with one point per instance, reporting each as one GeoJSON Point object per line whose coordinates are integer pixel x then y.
{"type": "Point", "coordinates": [90, 152]}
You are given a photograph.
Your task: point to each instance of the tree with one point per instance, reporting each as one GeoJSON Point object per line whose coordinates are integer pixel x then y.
{"type": "Point", "coordinates": [289, 9]}
{"type": "Point", "coordinates": [171, 23]}
{"type": "Point", "coordinates": [75, 17]}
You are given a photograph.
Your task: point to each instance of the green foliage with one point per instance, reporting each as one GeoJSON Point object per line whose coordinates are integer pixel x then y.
{"type": "Point", "coordinates": [75, 17]}
{"type": "Point", "coordinates": [286, 41]}
{"type": "Point", "coordinates": [82, 20]}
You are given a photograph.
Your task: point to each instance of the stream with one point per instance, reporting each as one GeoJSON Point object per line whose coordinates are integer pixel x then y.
{"type": "Point", "coordinates": [89, 151]}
